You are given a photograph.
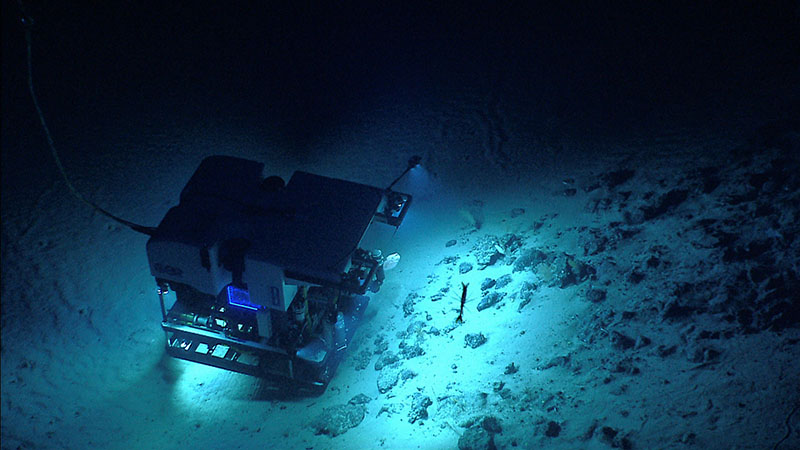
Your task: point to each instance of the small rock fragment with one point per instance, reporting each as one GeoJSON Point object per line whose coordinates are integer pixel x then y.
{"type": "Point", "coordinates": [622, 342]}
{"type": "Point", "coordinates": [408, 304]}
{"type": "Point", "coordinates": [562, 360]}
{"type": "Point", "coordinates": [596, 295]}
{"type": "Point", "coordinates": [526, 294]}
{"type": "Point", "coordinates": [360, 399]}
{"type": "Point", "coordinates": [475, 340]}
{"type": "Point", "coordinates": [664, 351]}
{"type": "Point", "coordinates": [642, 341]}
{"type": "Point", "coordinates": [511, 368]}
{"type": "Point", "coordinates": [553, 429]}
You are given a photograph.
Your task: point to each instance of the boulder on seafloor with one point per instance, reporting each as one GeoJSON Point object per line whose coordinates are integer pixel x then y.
{"type": "Point", "coordinates": [337, 419]}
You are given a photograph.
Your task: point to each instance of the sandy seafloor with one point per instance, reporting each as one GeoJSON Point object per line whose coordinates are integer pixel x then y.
{"type": "Point", "coordinates": [648, 300]}
{"type": "Point", "coordinates": [83, 353]}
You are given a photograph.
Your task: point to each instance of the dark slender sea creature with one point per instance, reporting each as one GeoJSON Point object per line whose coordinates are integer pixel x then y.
{"type": "Point", "coordinates": [460, 318]}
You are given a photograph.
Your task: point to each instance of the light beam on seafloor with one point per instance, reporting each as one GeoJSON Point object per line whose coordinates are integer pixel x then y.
{"type": "Point", "coordinates": [420, 183]}
{"type": "Point", "coordinates": [200, 387]}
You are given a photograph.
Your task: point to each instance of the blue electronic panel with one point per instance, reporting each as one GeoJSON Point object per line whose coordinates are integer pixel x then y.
{"type": "Point", "coordinates": [241, 298]}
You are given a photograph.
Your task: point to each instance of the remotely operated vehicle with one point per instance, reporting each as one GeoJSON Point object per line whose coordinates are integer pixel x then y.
{"type": "Point", "coordinates": [266, 278]}
{"type": "Point", "coordinates": [260, 276]}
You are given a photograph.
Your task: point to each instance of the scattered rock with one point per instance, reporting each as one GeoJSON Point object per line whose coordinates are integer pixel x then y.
{"type": "Point", "coordinates": [594, 241]}
{"type": "Point", "coordinates": [591, 187]}
{"type": "Point", "coordinates": [569, 271]}
{"type": "Point", "coordinates": [526, 294]}
{"type": "Point", "coordinates": [490, 299]}
{"type": "Point", "coordinates": [448, 260]}
{"type": "Point", "coordinates": [558, 361]}
{"type": "Point", "coordinates": [407, 374]}
{"type": "Point", "coordinates": [634, 217]}
{"type": "Point", "coordinates": [387, 358]}
{"type": "Point", "coordinates": [488, 250]}
{"type": "Point", "coordinates": [622, 342]}
{"type": "Point", "coordinates": [408, 304]}
{"type": "Point", "coordinates": [622, 233]}
{"type": "Point", "coordinates": [360, 399]}
{"type": "Point", "coordinates": [642, 341]}
{"type": "Point", "coordinates": [617, 177]}
{"type": "Point", "coordinates": [590, 432]}
{"type": "Point", "coordinates": [503, 281]}
{"type": "Point", "coordinates": [511, 243]}
{"type": "Point", "coordinates": [608, 434]}
{"type": "Point", "coordinates": [511, 368]}
{"type": "Point", "coordinates": [474, 340]}
{"type": "Point", "coordinates": [688, 438]}
{"type": "Point", "coordinates": [626, 366]}
{"type": "Point", "coordinates": [596, 295]}
{"type": "Point", "coordinates": [414, 328]}
{"type": "Point", "coordinates": [491, 424]}
{"type": "Point", "coordinates": [464, 268]}
{"type": "Point", "coordinates": [699, 354]}
{"type": "Point", "coordinates": [675, 310]}
{"type": "Point", "coordinates": [361, 360]}
{"type": "Point", "coordinates": [411, 351]}
{"type": "Point", "coordinates": [336, 420]}
{"type": "Point", "coordinates": [635, 277]}
{"type": "Point", "coordinates": [462, 405]}
{"type": "Point", "coordinates": [390, 409]}
{"type": "Point", "coordinates": [419, 407]}
{"type": "Point", "coordinates": [388, 377]}
{"type": "Point", "coordinates": [381, 344]}
{"type": "Point", "coordinates": [665, 203]}
{"type": "Point", "coordinates": [488, 283]}
{"type": "Point", "coordinates": [664, 351]}
{"type": "Point", "coordinates": [528, 259]}
{"type": "Point", "coordinates": [476, 438]}
{"type": "Point", "coordinates": [600, 204]}
{"type": "Point", "coordinates": [612, 437]}
{"type": "Point", "coordinates": [451, 243]}
{"type": "Point", "coordinates": [553, 429]}
{"type": "Point", "coordinates": [516, 212]}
